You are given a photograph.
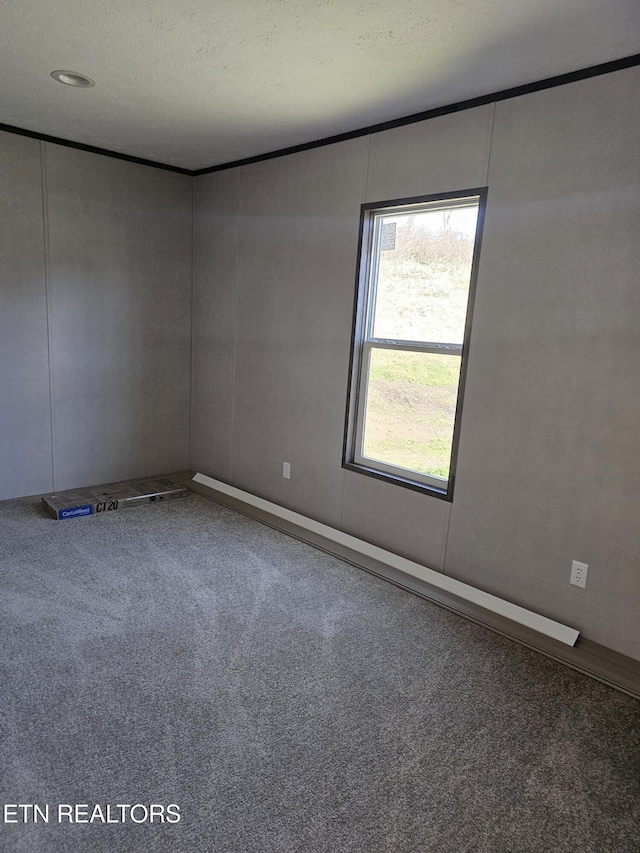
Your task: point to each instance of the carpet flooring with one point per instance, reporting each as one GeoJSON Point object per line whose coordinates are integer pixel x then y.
{"type": "Point", "coordinates": [286, 702]}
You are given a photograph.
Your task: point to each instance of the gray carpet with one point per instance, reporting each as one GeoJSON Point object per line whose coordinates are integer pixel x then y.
{"type": "Point", "coordinates": [184, 654]}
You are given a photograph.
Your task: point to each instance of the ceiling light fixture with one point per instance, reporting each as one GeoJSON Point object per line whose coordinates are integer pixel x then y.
{"type": "Point", "coordinates": [72, 78]}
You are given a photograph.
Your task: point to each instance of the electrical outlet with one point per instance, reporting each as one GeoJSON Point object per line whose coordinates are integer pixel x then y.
{"type": "Point", "coordinates": [286, 470]}
{"type": "Point", "coordinates": [579, 574]}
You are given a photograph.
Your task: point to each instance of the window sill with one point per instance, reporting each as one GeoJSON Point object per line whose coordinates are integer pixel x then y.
{"type": "Point", "coordinates": [441, 494]}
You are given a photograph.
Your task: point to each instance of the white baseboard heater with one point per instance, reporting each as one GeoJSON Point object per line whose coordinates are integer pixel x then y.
{"type": "Point", "coordinates": [466, 592]}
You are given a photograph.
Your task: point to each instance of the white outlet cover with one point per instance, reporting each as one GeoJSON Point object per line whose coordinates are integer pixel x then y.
{"type": "Point", "coordinates": [286, 470]}
{"type": "Point", "coordinates": [579, 574]}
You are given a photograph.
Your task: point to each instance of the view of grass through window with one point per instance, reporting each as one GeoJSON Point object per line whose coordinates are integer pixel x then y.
{"type": "Point", "coordinates": [410, 411]}
{"type": "Point", "coordinates": [419, 295]}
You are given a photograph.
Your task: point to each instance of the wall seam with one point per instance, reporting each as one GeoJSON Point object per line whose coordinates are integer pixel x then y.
{"type": "Point", "coordinates": [445, 543]}
{"type": "Point", "coordinates": [191, 356]}
{"type": "Point", "coordinates": [492, 124]}
{"type": "Point", "coordinates": [365, 192]}
{"type": "Point", "coordinates": [490, 129]}
{"type": "Point", "coordinates": [47, 298]}
{"type": "Point", "coordinates": [236, 283]}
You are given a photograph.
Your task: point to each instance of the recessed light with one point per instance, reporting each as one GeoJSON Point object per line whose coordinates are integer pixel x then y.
{"type": "Point", "coordinates": [71, 78]}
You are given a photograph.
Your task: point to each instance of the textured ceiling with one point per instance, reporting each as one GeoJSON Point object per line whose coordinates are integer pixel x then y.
{"type": "Point", "coordinates": [196, 83]}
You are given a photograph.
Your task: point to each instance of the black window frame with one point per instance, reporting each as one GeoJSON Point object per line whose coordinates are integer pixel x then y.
{"type": "Point", "coordinates": [365, 263]}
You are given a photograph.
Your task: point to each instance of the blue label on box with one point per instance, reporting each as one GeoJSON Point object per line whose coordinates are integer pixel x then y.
{"type": "Point", "coordinates": [75, 511]}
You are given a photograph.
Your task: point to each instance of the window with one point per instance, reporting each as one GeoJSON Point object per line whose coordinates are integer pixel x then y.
{"type": "Point", "coordinates": [417, 268]}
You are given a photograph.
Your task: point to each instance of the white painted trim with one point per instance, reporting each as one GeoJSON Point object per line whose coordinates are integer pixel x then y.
{"type": "Point", "coordinates": [539, 623]}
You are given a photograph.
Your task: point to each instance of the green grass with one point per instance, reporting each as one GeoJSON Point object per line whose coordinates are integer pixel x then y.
{"type": "Point", "coordinates": [401, 366]}
{"type": "Point", "coordinates": [410, 411]}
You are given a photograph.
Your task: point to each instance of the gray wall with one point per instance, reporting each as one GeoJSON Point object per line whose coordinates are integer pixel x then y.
{"type": "Point", "coordinates": [95, 278]}
{"type": "Point", "coordinates": [25, 411]}
{"type": "Point", "coordinates": [548, 469]}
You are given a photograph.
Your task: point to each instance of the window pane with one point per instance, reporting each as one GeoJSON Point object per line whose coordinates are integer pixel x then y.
{"type": "Point", "coordinates": [410, 409]}
{"type": "Point", "coordinates": [424, 269]}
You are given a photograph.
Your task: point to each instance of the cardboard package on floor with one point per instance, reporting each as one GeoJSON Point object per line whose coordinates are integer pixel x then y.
{"type": "Point", "coordinates": [76, 503]}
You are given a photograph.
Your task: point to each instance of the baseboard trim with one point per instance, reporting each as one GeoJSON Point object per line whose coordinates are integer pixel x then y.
{"type": "Point", "coordinates": [589, 658]}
